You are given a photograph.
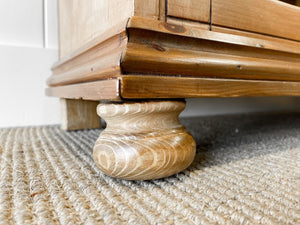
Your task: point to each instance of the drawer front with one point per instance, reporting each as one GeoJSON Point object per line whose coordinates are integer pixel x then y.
{"type": "Point", "coordinates": [198, 10]}
{"type": "Point", "coordinates": [269, 17]}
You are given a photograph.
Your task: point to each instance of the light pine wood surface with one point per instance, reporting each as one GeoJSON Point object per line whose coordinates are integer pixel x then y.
{"type": "Point", "coordinates": [214, 60]}
{"type": "Point", "coordinates": [156, 47]}
{"type": "Point", "coordinates": [143, 140]}
{"type": "Point", "coordinates": [143, 87]}
{"type": "Point", "coordinates": [98, 60]}
{"type": "Point", "coordinates": [147, 86]}
{"type": "Point", "coordinates": [194, 32]}
{"type": "Point", "coordinates": [79, 114]}
{"type": "Point", "coordinates": [271, 17]}
{"type": "Point", "coordinates": [96, 90]}
{"type": "Point", "coordinates": [162, 48]}
{"type": "Point", "coordinates": [190, 9]}
{"type": "Point", "coordinates": [147, 8]}
{"type": "Point", "coordinates": [189, 23]}
{"type": "Point", "coordinates": [82, 21]}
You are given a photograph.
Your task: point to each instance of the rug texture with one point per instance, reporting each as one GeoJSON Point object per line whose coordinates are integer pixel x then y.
{"type": "Point", "coordinates": [246, 171]}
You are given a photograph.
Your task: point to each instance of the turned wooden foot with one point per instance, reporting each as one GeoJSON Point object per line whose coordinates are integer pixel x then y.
{"type": "Point", "coordinates": [143, 140]}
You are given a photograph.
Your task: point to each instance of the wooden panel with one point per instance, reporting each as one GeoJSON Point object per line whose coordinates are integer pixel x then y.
{"type": "Point", "coordinates": [194, 32]}
{"type": "Point", "coordinates": [190, 9]}
{"type": "Point", "coordinates": [270, 17]}
{"type": "Point", "coordinates": [114, 30]}
{"type": "Point", "coordinates": [147, 8]}
{"type": "Point", "coordinates": [138, 87]}
{"type": "Point", "coordinates": [79, 114]}
{"type": "Point", "coordinates": [82, 21]}
{"type": "Point", "coordinates": [98, 90]}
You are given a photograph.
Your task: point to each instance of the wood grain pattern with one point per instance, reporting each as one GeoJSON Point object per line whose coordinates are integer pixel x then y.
{"type": "Point", "coordinates": [270, 17]}
{"type": "Point", "coordinates": [190, 9]}
{"type": "Point", "coordinates": [159, 53]}
{"type": "Point", "coordinates": [79, 114]}
{"type": "Point", "coordinates": [188, 23]}
{"type": "Point", "coordinates": [147, 8]}
{"type": "Point", "coordinates": [82, 21]}
{"type": "Point", "coordinates": [97, 62]}
{"type": "Point", "coordinates": [194, 32]}
{"type": "Point", "coordinates": [242, 33]}
{"type": "Point", "coordinates": [111, 32]}
{"type": "Point", "coordinates": [97, 90]}
{"type": "Point", "coordinates": [141, 87]}
{"type": "Point", "coordinates": [143, 140]}
{"type": "Point", "coordinates": [162, 10]}
{"type": "Point", "coordinates": [209, 54]}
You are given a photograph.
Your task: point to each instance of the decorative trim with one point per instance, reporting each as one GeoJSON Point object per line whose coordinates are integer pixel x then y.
{"type": "Point", "coordinates": [98, 59]}
{"type": "Point", "coordinates": [161, 48]}
{"type": "Point", "coordinates": [159, 87]}
{"type": "Point", "coordinates": [194, 32]}
{"type": "Point", "coordinates": [97, 90]}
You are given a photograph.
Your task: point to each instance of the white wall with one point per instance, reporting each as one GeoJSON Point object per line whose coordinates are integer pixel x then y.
{"type": "Point", "coordinates": [28, 48]}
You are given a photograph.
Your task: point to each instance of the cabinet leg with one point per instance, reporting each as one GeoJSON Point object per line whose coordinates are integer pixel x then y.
{"type": "Point", "coordinates": [79, 114]}
{"type": "Point", "coordinates": [143, 140]}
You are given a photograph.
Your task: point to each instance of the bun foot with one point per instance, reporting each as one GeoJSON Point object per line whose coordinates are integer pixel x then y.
{"type": "Point", "coordinates": [143, 140]}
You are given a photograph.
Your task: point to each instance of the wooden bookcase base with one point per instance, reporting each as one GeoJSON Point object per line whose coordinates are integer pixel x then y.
{"type": "Point", "coordinates": [143, 140]}
{"type": "Point", "coordinates": [147, 54]}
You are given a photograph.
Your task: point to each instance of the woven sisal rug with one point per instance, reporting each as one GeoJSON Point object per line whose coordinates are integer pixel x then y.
{"type": "Point", "coordinates": [246, 172]}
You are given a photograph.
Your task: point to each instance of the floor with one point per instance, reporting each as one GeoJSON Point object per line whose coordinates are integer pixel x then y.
{"type": "Point", "coordinates": [246, 171]}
